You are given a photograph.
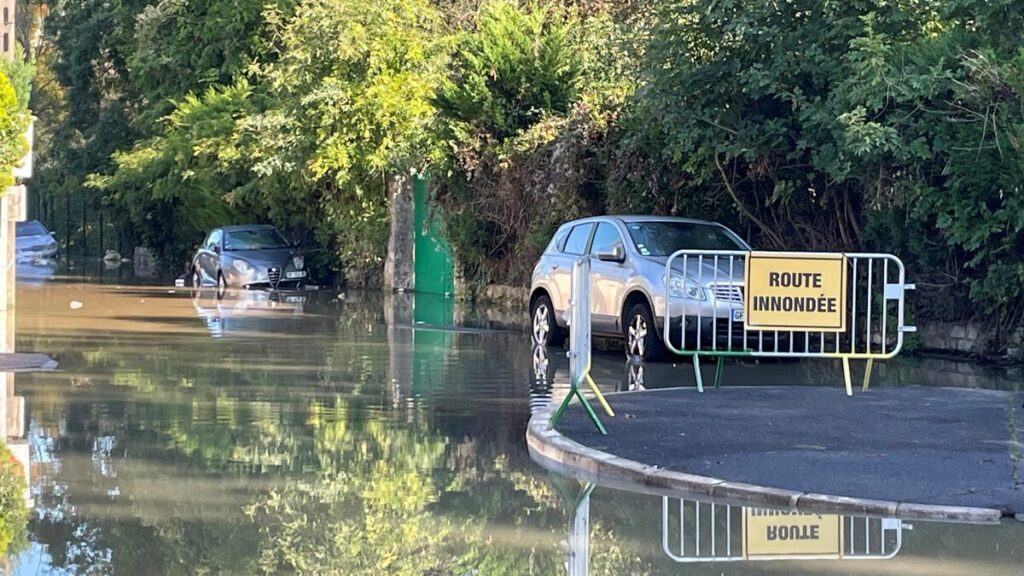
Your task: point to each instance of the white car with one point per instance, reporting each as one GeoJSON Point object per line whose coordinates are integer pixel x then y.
{"type": "Point", "coordinates": [33, 241]}
{"type": "Point", "coordinates": [628, 284]}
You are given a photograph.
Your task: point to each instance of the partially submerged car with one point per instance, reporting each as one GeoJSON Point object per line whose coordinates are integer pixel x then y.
{"type": "Point", "coordinates": [249, 256]}
{"type": "Point", "coordinates": [628, 283]}
{"type": "Point", "coordinates": [33, 241]}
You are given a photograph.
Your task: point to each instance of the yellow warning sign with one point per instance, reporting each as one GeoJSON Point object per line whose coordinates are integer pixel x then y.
{"type": "Point", "coordinates": [792, 291]}
{"type": "Point", "coordinates": [775, 533]}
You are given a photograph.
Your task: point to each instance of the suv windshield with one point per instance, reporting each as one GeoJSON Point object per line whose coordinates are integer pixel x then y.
{"type": "Point", "coordinates": [253, 239]}
{"type": "Point", "coordinates": [665, 238]}
{"type": "Point", "coordinates": [32, 228]}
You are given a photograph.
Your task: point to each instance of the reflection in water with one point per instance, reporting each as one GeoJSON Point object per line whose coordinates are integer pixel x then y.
{"type": "Point", "coordinates": [715, 538]}
{"type": "Point", "coordinates": [694, 531]}
{"type": "Point", "coordinates": [360, 435]}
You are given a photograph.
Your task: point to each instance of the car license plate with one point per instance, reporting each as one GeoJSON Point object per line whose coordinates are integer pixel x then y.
{"type": "Point", "coordinates": [294, 299]}
{"type": "Point", "coordinates": [295, 274]}
{"type": "Point", "coordinates": [737, 315]}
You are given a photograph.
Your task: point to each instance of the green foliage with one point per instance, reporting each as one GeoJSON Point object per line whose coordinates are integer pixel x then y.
{"type": "Point", "coordinates": [20, 72]}
{"type": "Point", "coordinates": [845, 125]}
{"type": "Point", "coordinates": [865, 124]}
{"type": "Point", "coordinates": [514, 69]}
{"type": "Point", "coordinates": [348, 108]}
{"type": "Point", "coordinates": [13, 510]}
{"type": "Point", "coordinates": [14, 120]}
{"type": "Point", "coordinates": [511, 100]}
{"type": "Point", "coordinates": [183, 182]}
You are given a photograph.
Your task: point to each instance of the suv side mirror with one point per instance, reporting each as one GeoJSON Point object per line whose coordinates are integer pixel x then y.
{"type": "Point", "coordinates": [617, 254]}
{"type": "Point", "coordinates": [216, 248]}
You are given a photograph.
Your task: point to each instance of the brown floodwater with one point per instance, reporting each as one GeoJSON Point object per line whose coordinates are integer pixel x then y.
{"type": "Point", "coordinates": [328, 433]}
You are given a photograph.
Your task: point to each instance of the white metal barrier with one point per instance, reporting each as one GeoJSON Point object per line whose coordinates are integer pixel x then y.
{"type": "Point", "coordinates": [695, 531]}
{"type": "Point", "coordinates": [579, 322]}
{"type": "Point", "coordinates": [580, 348]}
{"type": "Point", "coordinates": [707, 310]}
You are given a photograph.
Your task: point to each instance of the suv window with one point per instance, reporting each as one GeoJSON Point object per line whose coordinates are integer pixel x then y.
{"type": "Point", "coordinates": [577, 242]}
{"type": "Point", "coordinates": [605, 238]}
{"type": "Point", "coordinates": [558, 241]}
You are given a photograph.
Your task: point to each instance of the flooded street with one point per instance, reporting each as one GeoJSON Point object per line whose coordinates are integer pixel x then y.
{"type": "Point", "coordinates": [352, 434]}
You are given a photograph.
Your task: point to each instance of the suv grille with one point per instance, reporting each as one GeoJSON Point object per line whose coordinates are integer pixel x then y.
{"type": "Point", "coordinates": [274, 274]}
{"type": "Point", "coordinates": [727, 292]}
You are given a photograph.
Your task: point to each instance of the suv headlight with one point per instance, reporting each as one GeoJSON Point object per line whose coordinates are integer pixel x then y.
{"type": "Point", "coordinates": [298, 262]}
{"type": "Point", "coordinates": [241, 265]}
{"type": "Point", "coordinates": [682, 287]}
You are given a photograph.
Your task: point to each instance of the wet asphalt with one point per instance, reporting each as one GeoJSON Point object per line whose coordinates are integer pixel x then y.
{"type": "Point", "coordinates": [924, 445]}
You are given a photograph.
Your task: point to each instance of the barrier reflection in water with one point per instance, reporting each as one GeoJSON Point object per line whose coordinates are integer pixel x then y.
{"type": "Point", "coordinates": [696, 531]}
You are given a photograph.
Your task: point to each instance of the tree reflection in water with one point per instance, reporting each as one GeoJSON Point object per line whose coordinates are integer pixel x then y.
{"type": "Point", "coordinates": [320, 443]}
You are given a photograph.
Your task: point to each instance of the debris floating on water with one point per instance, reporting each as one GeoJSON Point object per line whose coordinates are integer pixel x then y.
{"type": "Point", "coordinates": [75, 304]}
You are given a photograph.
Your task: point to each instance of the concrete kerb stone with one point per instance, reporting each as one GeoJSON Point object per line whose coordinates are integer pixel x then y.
{"type": "Point", "coordinates": [564, 456]}
{"type": "Point", "coordinates": [825, 503]}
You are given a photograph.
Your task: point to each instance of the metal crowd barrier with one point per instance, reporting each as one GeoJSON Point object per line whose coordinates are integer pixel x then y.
{"type": "Point", "coordinates": [580, 348]}
{"type": "Point", "coordinates": [695, 531]}
{"type": "Point", "coordinates": [708, 318]}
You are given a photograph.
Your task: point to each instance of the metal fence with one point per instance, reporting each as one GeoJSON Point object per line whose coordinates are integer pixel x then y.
{"type": "Point", "coordinates": [708, 318]}
{"type": "Point", "coordinates": [695, 531]}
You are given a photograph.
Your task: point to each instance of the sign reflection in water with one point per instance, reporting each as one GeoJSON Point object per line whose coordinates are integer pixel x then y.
{"type": "Point", "coordinates": [696, 531]}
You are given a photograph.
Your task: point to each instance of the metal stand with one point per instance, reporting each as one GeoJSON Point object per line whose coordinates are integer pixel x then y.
{"type": "Point", "coordinates": [575, 392]}
{"type": "Point", "coordinates": [848, 379]}
{"type": "Point", "coordinates": [719, 368]}
{"type": "Point", "coordinates": [867, 374]}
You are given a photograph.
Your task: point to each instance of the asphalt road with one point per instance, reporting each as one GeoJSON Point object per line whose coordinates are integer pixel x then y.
{"type": "Point", "coordinates": [941, 446]}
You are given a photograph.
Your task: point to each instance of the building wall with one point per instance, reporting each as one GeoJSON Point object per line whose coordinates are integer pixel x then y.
{"type": "Point", "coordinates": [7, 28]}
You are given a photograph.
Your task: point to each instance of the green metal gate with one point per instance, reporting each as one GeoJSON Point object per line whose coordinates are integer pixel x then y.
{"type": "Point", "coordinates": [434, 265]}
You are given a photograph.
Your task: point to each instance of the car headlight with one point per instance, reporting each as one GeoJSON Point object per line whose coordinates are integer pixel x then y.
{"type": "Point", "coordinates": [682, 287]}
{"type": "Point", "coordinates": [298, 262]}
{"type": "Point", "coordinates": [241, 265]}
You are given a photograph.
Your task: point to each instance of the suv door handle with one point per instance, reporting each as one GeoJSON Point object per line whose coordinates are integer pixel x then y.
{"type": "Point", "coordinates": [554, 266]}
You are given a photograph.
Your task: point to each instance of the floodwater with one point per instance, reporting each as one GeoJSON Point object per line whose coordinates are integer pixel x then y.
{"type": "Point", "coordinates": [352, 434]}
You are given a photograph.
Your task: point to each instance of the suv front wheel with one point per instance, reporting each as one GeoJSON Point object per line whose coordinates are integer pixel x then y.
{"type": "Point", "coordinates": [543, 326]}
{"type": "Point", "coordinates": [641, 334]}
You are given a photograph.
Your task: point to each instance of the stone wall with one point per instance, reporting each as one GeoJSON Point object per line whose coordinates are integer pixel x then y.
{"type": "Point", "coordinates": [968, 338]}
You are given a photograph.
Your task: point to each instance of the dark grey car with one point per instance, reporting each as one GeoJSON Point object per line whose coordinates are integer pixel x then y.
{"type": "Point", "coordinates": [252, 256]}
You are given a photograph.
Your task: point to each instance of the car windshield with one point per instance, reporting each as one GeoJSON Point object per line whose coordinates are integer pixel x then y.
{"type": "Point", "coordinates": [665, 238]}
{"type": "Point", "coordinates": [253, 239]}
{"type": "Point", "coordinates": [32, 228]}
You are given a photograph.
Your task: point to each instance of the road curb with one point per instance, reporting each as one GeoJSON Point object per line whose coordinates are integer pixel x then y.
{"type": "Point", "coordinates": [555, 452]}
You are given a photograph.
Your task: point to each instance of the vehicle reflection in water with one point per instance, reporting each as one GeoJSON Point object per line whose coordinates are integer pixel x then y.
{"type": "Point", "coordinates": [36, 271]}
{"type": "Point", "coordinates": [229, 311]}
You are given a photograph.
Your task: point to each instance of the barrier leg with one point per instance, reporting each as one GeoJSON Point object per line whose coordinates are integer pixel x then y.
{"type": "Point", "coordinates": [867, 374]}
{"type": "Point", "coordinates": [586, 406]}
{"type": "Point", "coordinates": [561, 410]}
{"type": "Point", "coordinates": [591, 413]}
{"type": "Point", "coordinates": [846, 376]}
{"type": "Point", "coordinates": [697, 374]}
{"type": "Point", "coordinates": [719, 368]}
{"type": "Point", "coordinates": [600, 397]}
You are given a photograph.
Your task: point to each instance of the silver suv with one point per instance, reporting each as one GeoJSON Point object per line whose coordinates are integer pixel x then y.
{"type": "Point", "coordinates": [628, 284]}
